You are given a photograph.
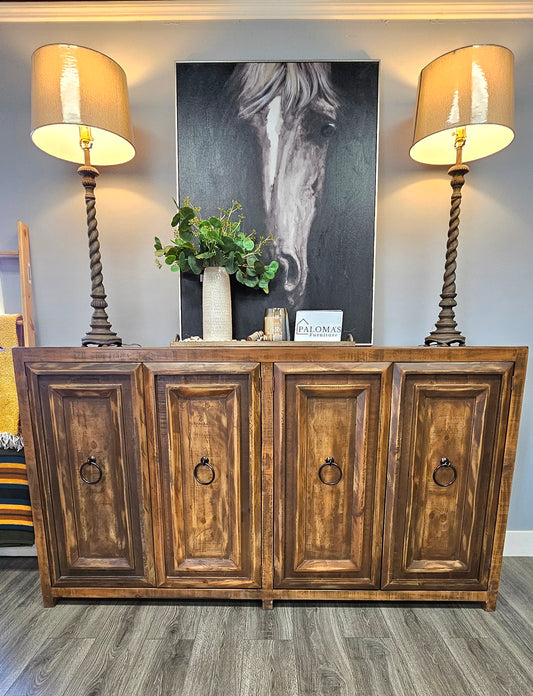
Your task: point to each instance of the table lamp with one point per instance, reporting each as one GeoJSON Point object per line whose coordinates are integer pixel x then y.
{"type": "Point", "coordinates": [80, 113]}
{"type": "Point", "coordinates": [464, 111]}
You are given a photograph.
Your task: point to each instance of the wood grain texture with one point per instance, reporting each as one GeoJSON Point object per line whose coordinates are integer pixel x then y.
{"type": "Point", "coordinates": [328, 531]}
{"type": "Point", "coordinates": [36, 484]}
{"type": "Point", "coordinates": [476, 657]}
{"type": "Point", "coordinates": [57, 654]}
{"type": "Point", "coordinates": [268, 445]}
{"type": "Point", "coordinates": [248, 351]}
{"type": "Point", "coordinates": [440, 536]}
{"type": "Point", "coordinates": [378, 668]}
{"type": "Point", "coordinates": [267, 528]}
{"type": "Point", "coordinates": [208, 513]}
{"type": "Point", "coordinates": [99, 530]}
{"type": "Point", "coordinates": [205, 648]}
{"type": "Point", "coordinates": [322, 664]}
{"type": "Point", "coordinates": [519, 579]}
{"type": "Point", "coordinates": [509, 454]}
{"type": "Point", "coordinates": [25, 629]}
{"type": "Point", "coordinates": [23, 235]}
{"type": "Point", "coordinates": [217, 654]}
{"type": "Point", "coordinates": [114, 655]}
{"type": "Point", "coordinates": [270, 625]}
{"type": "Point", "coordinates": [361, 620]}
{"type": "Point", "coordinates": [269, 667]}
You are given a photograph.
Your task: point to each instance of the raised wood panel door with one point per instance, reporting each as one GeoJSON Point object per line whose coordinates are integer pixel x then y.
{"type": "Point", "coordinates": [206, 420]}
{"type": "Point", "coordinates": [448, 429]}
{"type": "Point", "coordinates": [90, 435]}
{"type": "Point", "coordinates": [330, 459]}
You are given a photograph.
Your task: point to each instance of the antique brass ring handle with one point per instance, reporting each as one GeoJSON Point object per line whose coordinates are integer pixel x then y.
{"type": "Point", "coordinates": [445, 464]}
{"type": "Point", "coordinates": [91, 461]}
{"type": "Point", "coordinates": [330, 462]}
{"type": "Point", "coordinates": [204, 461]}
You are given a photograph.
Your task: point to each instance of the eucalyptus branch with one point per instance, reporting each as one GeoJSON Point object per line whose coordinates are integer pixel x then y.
{"type": "Point", "coordinates": [216, 241]}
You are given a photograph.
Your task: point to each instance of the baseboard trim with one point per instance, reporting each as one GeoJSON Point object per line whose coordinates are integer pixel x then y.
{"type": "Point", "coordinates": [18, 551]}
{"type": "Point", "coordinates": [518, 543]}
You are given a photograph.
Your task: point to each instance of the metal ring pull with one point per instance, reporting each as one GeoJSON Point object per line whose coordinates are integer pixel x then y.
{"type": "Point", "coordinates": [330, 462]}
{"type": "Point", "coordinates": [445, 464]}
{"type": "Point", "coordinates": [91, 461]}
{"type": "Point", "coordinates": [204, 461]}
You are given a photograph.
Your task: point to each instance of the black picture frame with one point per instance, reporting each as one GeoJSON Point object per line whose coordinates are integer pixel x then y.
{"type": "Point", "coordinates": [219, 159]}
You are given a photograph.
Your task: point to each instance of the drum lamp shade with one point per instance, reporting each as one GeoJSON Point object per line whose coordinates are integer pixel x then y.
{"type": "Point", "coordinates": [73, 86]}
{"type": "Point", "coordinates": [472, 88]}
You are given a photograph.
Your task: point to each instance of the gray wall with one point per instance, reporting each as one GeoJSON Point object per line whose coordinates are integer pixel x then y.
{"type": "Point", "coordinates": [135, 200]}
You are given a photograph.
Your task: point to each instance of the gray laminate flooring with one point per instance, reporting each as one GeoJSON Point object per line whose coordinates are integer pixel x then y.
{"type": "Point", "coordinates": [107, 648]}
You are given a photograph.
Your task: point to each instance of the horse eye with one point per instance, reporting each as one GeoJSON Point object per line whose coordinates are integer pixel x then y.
{"type": "Point", "coordinates": [328, 129]}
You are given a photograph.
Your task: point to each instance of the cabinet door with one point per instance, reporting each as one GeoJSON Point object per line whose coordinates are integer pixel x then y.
{"type": "Point", "coordinates": [205, 420]}
{"type": "Point", "coordinates": [330, 458]}
{"type": "Point", "coordinates": [89, 436]}
{"type": "Point", "coordinates": [448, 428]}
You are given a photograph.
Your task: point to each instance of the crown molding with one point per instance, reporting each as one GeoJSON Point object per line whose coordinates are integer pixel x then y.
{"type": "Point", "coordinates": [190, 10]}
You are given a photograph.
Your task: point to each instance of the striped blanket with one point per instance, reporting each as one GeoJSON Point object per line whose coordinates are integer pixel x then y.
{"type": "Point", "coordinates": [16, 525]}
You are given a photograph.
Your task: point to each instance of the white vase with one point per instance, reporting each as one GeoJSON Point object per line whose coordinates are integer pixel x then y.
{"type": "Point", "coordinates": [216, 304]}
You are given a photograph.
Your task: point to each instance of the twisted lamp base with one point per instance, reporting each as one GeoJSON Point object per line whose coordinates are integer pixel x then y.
{"type": "Point", "coordinates": [445, 332]}
{"type": "Point", "coordinates": [100, 333]}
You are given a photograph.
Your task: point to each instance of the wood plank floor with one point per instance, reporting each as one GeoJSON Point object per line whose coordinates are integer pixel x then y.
{"type": "Point", "coordinates": [106, 648]}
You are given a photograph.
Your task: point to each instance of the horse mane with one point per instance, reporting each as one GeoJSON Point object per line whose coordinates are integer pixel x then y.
{"type": "Point", "coordinates": [298, 85]}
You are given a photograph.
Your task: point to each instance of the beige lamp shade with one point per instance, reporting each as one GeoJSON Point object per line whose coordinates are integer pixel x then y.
{"type": "Point", "coordinates": [472, 88]}
{"type": "Point", "coordinates": [74, 86]}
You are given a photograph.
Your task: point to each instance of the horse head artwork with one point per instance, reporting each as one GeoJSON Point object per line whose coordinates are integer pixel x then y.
{"type": "Point", "coordinates": [292, 108]}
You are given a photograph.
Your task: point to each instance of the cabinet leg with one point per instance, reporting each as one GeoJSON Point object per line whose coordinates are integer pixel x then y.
{"type": "Point", "coordinates": [268, 603]}
{"type": "Point", "coordinates": [48, 600]}
{"type": "Point", "coordinates": [490, 604]}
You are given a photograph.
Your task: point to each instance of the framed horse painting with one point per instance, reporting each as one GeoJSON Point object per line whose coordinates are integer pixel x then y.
{"type": "Point", "coordinates": [296, 145]}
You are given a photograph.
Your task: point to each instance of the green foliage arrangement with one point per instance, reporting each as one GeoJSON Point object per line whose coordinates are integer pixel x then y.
{"type": "Point", "coordinates": [217, 241]}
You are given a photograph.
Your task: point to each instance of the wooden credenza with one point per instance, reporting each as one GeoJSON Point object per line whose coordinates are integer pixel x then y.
{"type": "Point", "coordinates": [271, 471]}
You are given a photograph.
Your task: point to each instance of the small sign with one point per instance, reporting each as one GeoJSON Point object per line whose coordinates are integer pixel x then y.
{"type": "Point", "coordinates": [318, 325]}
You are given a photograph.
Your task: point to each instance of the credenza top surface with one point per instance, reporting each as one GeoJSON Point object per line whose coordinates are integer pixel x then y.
{"type": "Point", "coordinates": [289, 351]}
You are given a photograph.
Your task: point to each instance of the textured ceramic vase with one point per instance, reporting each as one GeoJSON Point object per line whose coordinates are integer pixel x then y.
{"type": "Point", "coordinates": [216, 304]}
